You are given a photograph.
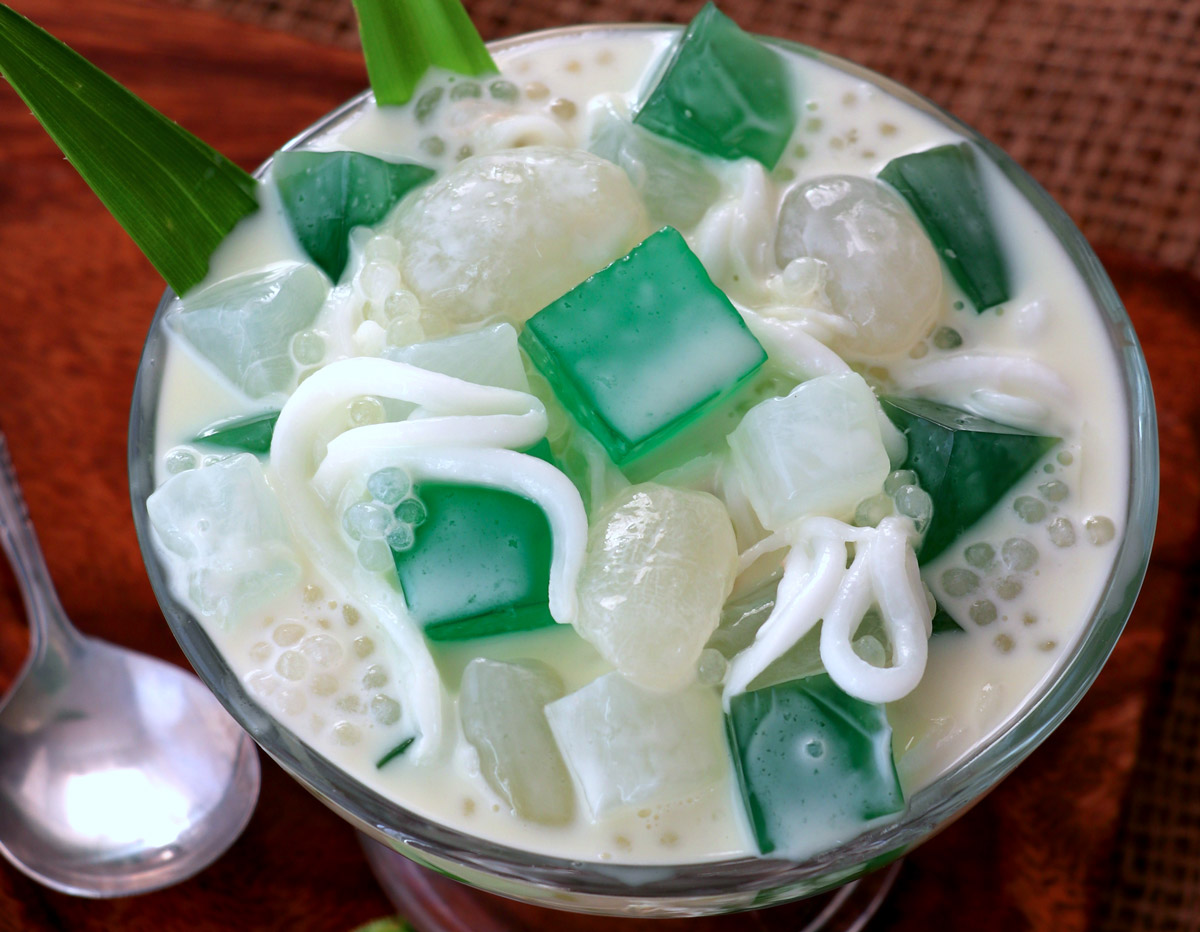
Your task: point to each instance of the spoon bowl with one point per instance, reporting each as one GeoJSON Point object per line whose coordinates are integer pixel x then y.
{"type": "Point", "coordinates": [119, 773]}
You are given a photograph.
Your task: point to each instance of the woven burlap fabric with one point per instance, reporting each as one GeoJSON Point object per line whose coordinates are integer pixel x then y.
{"type": "Point", "coordinates": [1098, 99]}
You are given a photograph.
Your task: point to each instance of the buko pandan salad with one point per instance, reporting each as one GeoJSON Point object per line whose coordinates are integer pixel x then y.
{"type": "Point", "coordinates": [666, 447]}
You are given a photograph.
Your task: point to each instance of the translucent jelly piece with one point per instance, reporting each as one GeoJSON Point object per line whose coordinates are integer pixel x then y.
{"type": "Point", "coordinates": [245, 324]}
{"type": "Point", "coordinates": [502, 707]}
{"type": "Point", "coordinates": [944, 188]}
{"type": "Point", "coordinates": [327, 194]}
{"type": "Point", "coordinates": [251, 434]}
{"type": "Point", "coordinates": [503, 235]}
{"type": "Point", "coordinates": [815, 451]}
{"type": "Point", "coordinates": [674, 184]}
{"type": "Point", "coordinates": [225, 525]}
{"type": "Point", "coordinates": [480, 563]}
{"type": "Point", "coordinates": [882, 272]}
{"type": "Point", "coordinates": [659, 566]}
{"type": "Point", "coordinates": [965, 463]}
{"type": "Point", "coordinates": [812, 763]}
{"type": "Point", "coordinates": [628, 746]}
{"type": "Point", "coordinates": [643, 348]}
{"type": "Point", "coordinates": [487, 357]}
{"type": "Point", "coordinates": [723, 93]}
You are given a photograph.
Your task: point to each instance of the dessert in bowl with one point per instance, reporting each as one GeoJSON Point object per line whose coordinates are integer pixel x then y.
{"type": "Point", "coordinates": [626, 516]}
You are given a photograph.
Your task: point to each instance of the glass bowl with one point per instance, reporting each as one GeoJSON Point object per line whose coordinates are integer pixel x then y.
{"type": "Point", "coordinates": [733, 884]}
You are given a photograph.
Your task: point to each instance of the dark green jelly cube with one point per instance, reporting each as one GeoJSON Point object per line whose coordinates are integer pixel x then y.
{"type": "Point", "coordinates": [252, 433]}
{"type": "Point", "coordinates": [811, 762]}
{"type": "Point", "coordinates": [479, 564]}
{"type": "Point", "coordinates": [943, 187]}
{"type": "Point", "coordinates": [326, 194]}
{"type": "Point", "coordinates": [722, 93]}
{"type": "Point", "coordinates": [965, 463]}
{"type": "Point", "coordinates": [643, 348]}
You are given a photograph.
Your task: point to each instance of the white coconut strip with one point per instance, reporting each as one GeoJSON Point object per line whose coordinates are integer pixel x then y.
{"type": "Point", "coordinates": [803, 357]}
{"type": "Point", "coordinates": [896, 579]}
{"type": "Point", "coordinates": [808, 585]}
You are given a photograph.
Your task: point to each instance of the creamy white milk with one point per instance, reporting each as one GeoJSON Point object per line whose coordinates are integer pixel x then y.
{"type": "Point", "coordinates": [326, 658]}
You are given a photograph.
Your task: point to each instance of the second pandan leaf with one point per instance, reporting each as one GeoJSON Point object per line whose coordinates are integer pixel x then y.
{"type": "Point", "coordinates": [723, 93]}
{"type": "Point", "coordinates": [327, 194]}
{"type": "Point", "coordinates": [945, 191]}
{"type": "Point", "coordinates": [402, 38]}
{"type": "Point", "coordinates": [251, 433]}
{"type": "Point", "coordinates": [176, 197]}
{"type": "Point", "coordinates": [814, 765]}
{"type": "Point", "coordinates": [965, 463]}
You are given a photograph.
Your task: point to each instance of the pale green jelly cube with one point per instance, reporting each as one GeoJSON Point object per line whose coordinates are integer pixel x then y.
{"type": "Point", "coordinates": [502, 708]}
{"type": "Point", "coordinates": [644, 348]}
{"type": "Point", "coordinates": [224, 524]}
{"type": "Point", "coordinates": [817, 451]}
{"type": "Point", "coordinates": [814, 765]}
{"type": "Point", "coordinates": [659, 565]}
{"type": "Point", "coordinates": [627, 746]}
{"type": "Point", "coordinates": [488, 356]}
{"type": "Point", "coordinates": [674, 183]}
{"type": "Point", "coordinates": [245, 324]}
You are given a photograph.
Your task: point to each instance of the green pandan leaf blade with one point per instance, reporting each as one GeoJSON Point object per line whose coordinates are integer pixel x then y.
{"type": "Point", "coordinates": [402, 38]}
{"type": "Point", "coordinates": [175, 196]}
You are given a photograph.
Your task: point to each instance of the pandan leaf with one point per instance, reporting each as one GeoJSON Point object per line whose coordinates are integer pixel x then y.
{"type": "Point", "coordinates": [327, 194]}
{"type": "Point", "coordinates": [402, 38]}
{"type": "Point", "coordinates": [175, 196]}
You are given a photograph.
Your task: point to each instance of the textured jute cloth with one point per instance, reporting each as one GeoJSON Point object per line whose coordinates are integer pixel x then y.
{"type": "Point", "coordinates": [1100, 101]}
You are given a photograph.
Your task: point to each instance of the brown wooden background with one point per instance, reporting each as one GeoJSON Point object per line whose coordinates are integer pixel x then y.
{"type": "Point", "coordinates": [1067, 843]}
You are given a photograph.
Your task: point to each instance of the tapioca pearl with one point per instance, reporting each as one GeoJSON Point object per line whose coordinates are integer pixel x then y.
{"type": "Point", "coordinates": [383, 248]}
{"type": "Point", "coordinates": [308, 347]}
{"type": "Point", "coordinates": [261, 683]}
{"type": "Point", "coordinates": [919, 351]}
{"type": "Point", "coordinates": [313, 593]}
{"type": "Point", "coordinates": [367, 521]}
{"type": "Point", "coordinates": [433, 145]}
{"type": "Point", "coordinates": [1047, 645]}
{"type": "Point", "coordinates": [321, 650]}
{"type": "Point", "coordinates": [1018, 554]}
{"type": "Point", "coordinates": [323, 684]}
{"type": "Point", "coordinates": [898, 479]}
{"type": "Point", "coordinates": [1008, 587]}
{"type": "Point", "coordinates": [711, 667]}
{"type": "Point", "coordinates": [814, 125]}
{"type": "Point", "coordinates": [290, 700]}
{"type": "Point", "coordinates": [385, 710]}
{"type": "Point", "coordinates": [564, 109]}
{"type": "Point", "coordinates": [291, 665]}
{"type": "Point", "coordinates": [1065, 457]}
{"type": "Point", "coordinates": [402, 304]}
{"type": "Point", "coordinates": [427, 104]}
{"type": "Point", "coordinates": [465, 90]}
{"type": "Point", "coordinates": [1029, 509]}
{"type": "Point", "coordinates": [375, 677]}
{"type": "Point", "coordinates": [1054, 491]}
{"type": "Point", "coordinates": [1004, 643]}
{"type": "Point", "coordinates": [375, 555]}
{"type": "Point", "coordinates": [288, 633]}
{"type": "Point", "coordinates": [364, 647]}
{"type": "Point", "coordinates": [261, 652]}
{"type": "Point", "coordinates": [503, 90]}
{"type": "Point", "coordinates": [389, 485]}
{"type": "Point", "coordinates": [947, 338]}
{"type": "Point", "coordinates": [1062, 532]}
{"type": "Point", "coordinates": [180, 459]}
{"type": "Point", "coordinates": [1100, 530]}
{"type": "Point", "coordinates": [349, 703]}
{"type": "Point", "coordinates": [958, 581]}
{"type": "Point", "coordinates": [346, 733]}
{"type": "Point", "coordinates": [464, 152]}
{"type": "Point", "coordinates": [401, 538]}
{"type": "Point", "coordinates": [1029, 619]}
{"type": "Point", "coordinates": [981, 555]}
{"type": "Point", "coordinates": [405, 331]}
{"type": "Point", "coordinates": [983, 612]}
{"type": "Point", "coordinates": [536, 90]}
{"type": "Point", "coordinates": [350, 615]}
{"type": "Point", "coordinates": [367, 410]}
{"type": "Point", "coordinates": [871, 511]}
{"type": "Point", "coordinates": [915, 503]}
{"type": "Point", "coordinates": [411, 511]}
{"type": "Point", "coordinates": [213, 458]}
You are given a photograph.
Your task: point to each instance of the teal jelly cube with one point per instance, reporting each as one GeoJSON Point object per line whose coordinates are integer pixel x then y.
{"type": "Point", "coordinates": [479, 564]}
{"type": "Point", "coordinates": [326, 194]}
{"type": "Point", "coordinates": [943, 187]}
{"type": "Point", "coordinates": [643, 348]}
{"type": "Point", "coordinates": [812, 763]}
{"type": "Point", "coordinates": [252, 433]}
{"type": "Point", "coordinates": [723, 93]}
{"type": "Point", "coordinates": [965, 463]}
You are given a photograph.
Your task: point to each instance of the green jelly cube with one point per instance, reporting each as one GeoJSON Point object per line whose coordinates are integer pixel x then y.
{"type": "Point", "coordinates": [479, 564]}
{"type": "Point", "coordinates": [943, 187]}
{"type": "Point", "coordinates": [327, 194]}
{"type": "Point", "coordinates": [965, 463]}
{"type": "Point", "coordinates": [723, 93]}
{"type": "Point", "coordinates": [252, 433]}
{"type": "Point", "coordinates": [811, 763]}
{"type": "Point", "coordinates": [643, 348]}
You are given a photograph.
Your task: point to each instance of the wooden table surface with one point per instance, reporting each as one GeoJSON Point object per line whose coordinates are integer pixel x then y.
{"type": "Point", "coordinates": [76, 297]}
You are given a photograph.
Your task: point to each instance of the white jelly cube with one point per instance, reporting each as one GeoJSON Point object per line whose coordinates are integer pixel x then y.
{"type": "Point", "coordinates": [224, 526]}
{"type": "Point", "coordinates": [816, 451]}
{"type": "Point", "coordinates": [660, 564]}
{"type": "Point", "coordinates": [627, 746]}
{"type": "Point", "coordinates": [502, 710]}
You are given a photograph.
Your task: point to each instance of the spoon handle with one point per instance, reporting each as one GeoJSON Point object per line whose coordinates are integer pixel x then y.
{"type": "Point", "coordinates": [47, 619]}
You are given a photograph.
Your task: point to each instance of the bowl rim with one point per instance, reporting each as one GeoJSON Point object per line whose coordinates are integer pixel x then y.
{"type": "Point", "coordinates": [729, 883]}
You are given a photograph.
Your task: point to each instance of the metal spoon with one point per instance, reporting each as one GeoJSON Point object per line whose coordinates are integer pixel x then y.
{"type": "Point", "coordinates": [119, 773]}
